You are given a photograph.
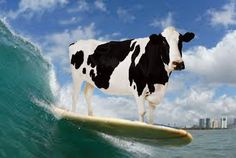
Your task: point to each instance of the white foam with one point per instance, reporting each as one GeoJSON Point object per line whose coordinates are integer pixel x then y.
{"type": "Point", "coordinates": [53, 82]}
{"type": "Point", "coordinates": [130, 146]}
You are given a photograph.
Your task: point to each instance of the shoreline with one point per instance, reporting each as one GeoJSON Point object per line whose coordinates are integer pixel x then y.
{"type": "Point", "coordinates": [206, 128]}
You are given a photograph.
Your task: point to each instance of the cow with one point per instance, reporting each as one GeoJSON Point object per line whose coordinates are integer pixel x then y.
{"type": "Point", "coordinates": [140, 67]}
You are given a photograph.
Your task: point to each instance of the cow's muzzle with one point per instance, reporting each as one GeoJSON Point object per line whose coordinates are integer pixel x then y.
{"type": "Point", "coordinates": [178, 65]}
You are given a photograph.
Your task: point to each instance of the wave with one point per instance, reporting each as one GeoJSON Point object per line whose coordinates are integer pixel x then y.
{"type": "Point", "coordinates": [24, 78]}
{"type": "Point", "coordinates": [27, 129]}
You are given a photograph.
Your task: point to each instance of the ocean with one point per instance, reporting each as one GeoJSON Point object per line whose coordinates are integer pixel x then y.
{"type": "Point", "coordinates": [29, 130]}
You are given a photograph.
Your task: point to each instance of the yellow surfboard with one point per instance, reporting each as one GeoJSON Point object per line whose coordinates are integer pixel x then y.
{"type": "Point", "coordinates": [131, 130]}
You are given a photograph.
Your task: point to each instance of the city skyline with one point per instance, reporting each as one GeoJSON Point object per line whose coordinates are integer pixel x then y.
{"type": "Point", "coordinates": [208, 123]}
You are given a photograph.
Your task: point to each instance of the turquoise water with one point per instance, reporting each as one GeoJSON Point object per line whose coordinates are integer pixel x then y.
{"type": "Point", "coordinates": [29, 130]}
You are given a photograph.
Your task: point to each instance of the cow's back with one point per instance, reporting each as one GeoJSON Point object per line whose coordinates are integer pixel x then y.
{"type": "Point", "coordinates": [104, 65]}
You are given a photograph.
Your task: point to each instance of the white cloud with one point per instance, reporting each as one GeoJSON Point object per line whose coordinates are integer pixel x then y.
{"type": "Point", "coordinates": [40, 4]}
{"type": "Point", "coordinates": [108, 37]}
{"type": "Point", "coordinates": [225, 16]}
{"type": "Point", "coordinates": [109, 106]}
{"type": "Point", "coordinates": [186, 109]}
{"type": "Point", "coordinates": [99, 4]}
{"type": "Point", "coordinates": [176, 83]}
{"type": "Point", "coordinates": [194, 104]}
{"type": "Point", "coordinates": [70, 21]}
{"type": "Point", "coordinates": [28, 8]}
{"type": "Point", "coordinates": [57, 44]}
{"type": "Point", "coordinates": [82, 5]}
{"type": "Point", "coordinates": [163, 23]}
{"type": "Point", "coordinates": [125, 15]}
{"type": "Point", "coordinates": [2, 2]}
{"type": "Point", "coordinates": [217, 64]}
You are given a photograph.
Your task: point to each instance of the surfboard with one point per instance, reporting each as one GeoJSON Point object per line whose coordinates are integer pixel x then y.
{"type": "Point", "coordinates": [156, 135]}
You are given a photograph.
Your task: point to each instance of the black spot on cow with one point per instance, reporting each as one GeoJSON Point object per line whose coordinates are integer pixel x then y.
{"type": "Point", "coordinates": [84, 70]}
{"type": "Point", "coordinates": [150, 69]}
{"type": "Point", "coordinates": [77, 59]}
{"type": "Point", "coordinates": [163, 46]}
{"type": "Point", "coordinates": [106, 58]}
{"type": "Point", "coordinates": [180, 46]}
{"type": "Point", "coordinates": [134, 87]}
{"type": "Point", "coordinates": [132, 47]}
{"type": "Point", "coordinates": [133, 57]}
{"type": "Point", "coordinates": [91, 73]}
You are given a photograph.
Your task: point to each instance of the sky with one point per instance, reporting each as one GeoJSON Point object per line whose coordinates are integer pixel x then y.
{"type": "Point", "coordinates": [206, 88]}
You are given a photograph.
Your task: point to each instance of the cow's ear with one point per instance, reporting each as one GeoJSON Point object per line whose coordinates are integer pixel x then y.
{"type": "Point", "coordinates": [187, 37]}
{"type": "Point", "coordinates": [155, 39]}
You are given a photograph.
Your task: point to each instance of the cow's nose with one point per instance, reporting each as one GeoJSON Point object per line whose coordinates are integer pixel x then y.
{"type": "Point", "coordinates": [179, 65]}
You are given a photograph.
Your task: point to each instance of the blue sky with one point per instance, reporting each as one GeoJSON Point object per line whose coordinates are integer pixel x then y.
{"type": "Point", "coordinates": [205, 89]}
{"type": "Point", "coordinates": [117, 16]}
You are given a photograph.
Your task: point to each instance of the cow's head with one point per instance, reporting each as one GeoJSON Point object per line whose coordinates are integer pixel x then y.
{"type": "Point", "coordinates": [172, 48]}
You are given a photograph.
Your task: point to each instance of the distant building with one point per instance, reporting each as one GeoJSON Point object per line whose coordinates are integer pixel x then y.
{"type": "Point", "coordinates": [202, 123]}
{"type": "Point", "coordinates": [195, 126]}
{"type": "Point", "coordinates": [208, 123]}
{"type": "Point", "coordinates": [223, 122]}
{"type": "Point", "coordinates": [214, 124]}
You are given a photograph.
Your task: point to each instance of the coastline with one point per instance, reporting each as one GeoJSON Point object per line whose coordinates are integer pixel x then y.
{"type": "Point", "coordinates": [206, 128]}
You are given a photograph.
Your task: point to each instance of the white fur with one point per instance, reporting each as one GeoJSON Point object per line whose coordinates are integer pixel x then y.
{"type": "Point", "coordinates": [172, 37]}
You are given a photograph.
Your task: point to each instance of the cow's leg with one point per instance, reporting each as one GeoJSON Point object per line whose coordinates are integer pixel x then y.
{"type": "Point", "coordinates": [154, 99]}
{"type": "Point", "coordinates": [141, 109]}
{"type": "Point", "coordinates": [151, 108]}
{"type": "Point", "coordinates": [75, 93]}
{"type": "Point", "coordinates": [88, 93]}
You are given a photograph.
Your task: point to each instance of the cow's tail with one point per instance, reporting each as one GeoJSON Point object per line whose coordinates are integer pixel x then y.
{"type": "Point", "coordinates": [71, 44]}
{"type": "Point", "coordinates": [70, 50]}
{"type": "Point", "coordinates": [77, 81]}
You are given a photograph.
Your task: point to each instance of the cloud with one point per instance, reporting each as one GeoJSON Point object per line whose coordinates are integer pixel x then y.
{"type": "Point", "coordinates": [57, 44]}
{"type": "Point", "coordinates": [163, 23]}
{"type": "Point", "coordinates": [100, 5]}
{"type": "Point", "coordinates": [186, 109]}
{"type": "Point", "coordinates": [109, 106]}
{"type": "Point", "coordinates": [70, 21]}
{"type": "Point", "coordinates": [226, 16]}
{"type": "Point", "coordinates": [108, 37]}
{"type": "Point", "coordinates": [28, 8]}
{"type": "Point", "coordinates": [82, 5]}
{"type": "Point", "coordinates": [214, 65]}
{"type": "Point", "coordinates": [2, 2]}
{"type": "Point", "coordinates": [176, 83]}
{"type": "Point", "coordinates": [125, 15]}
{"type": "Point", "coordinates": [195, 103]}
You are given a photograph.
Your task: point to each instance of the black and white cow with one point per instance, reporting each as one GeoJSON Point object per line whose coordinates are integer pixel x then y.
{"type": "Point", "coordinates": [139, 67]}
